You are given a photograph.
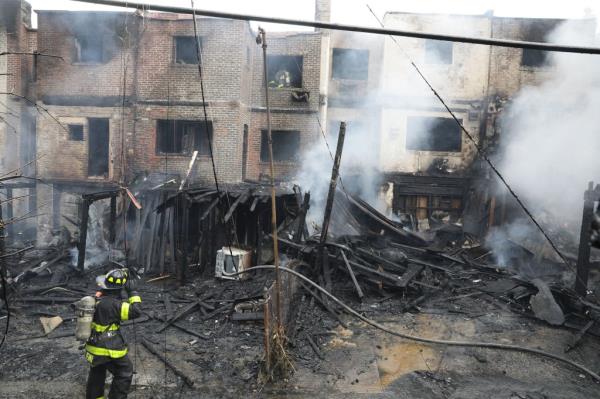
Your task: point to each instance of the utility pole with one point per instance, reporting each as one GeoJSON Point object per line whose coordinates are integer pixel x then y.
{"type": "Point", "coordinates": [261, 39]}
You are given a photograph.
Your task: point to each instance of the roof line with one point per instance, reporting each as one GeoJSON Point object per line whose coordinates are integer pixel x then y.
{"type": "Point", "coordinates": [352, 28]}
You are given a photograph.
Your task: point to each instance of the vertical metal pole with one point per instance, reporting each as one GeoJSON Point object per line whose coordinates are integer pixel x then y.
{"type": "Point", "coordinates": [335, 172]}
{"type": "Point", "coordinates": [262, 39]}
{"type": "Point", "coordinates": [583, 256]}
{"type": "Point", "coordinates": [85, 211]}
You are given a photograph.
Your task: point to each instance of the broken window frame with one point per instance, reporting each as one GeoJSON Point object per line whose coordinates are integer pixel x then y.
{"type": "Point", "coordinates": [282, 153]}
{"type": "Point", "coordinates": [422, 206]}
{"type": "Point", "coordinates": [439, 52]}
{"type": "Point", "coordinates": [193, 56]}
{"type": "Point", "coordinates": [295, 65]}
{"type": "Point", "coordinates": [81, 55]}
{"type": "Point", "coordinates": [76, 135]}
{"type": "Point", "coordinates": [415, 143]}
{"type": "Point", "coordinates": [343, 56]}
{"type": "Point", "coordinates": [188, 136]}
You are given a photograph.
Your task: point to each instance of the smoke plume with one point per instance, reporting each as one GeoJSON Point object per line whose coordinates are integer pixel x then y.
{"type": "Point", "coordinates": [551, 135]}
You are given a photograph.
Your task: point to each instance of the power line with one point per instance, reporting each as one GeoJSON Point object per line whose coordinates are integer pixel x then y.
{"type": "Point", "coordinates": [353, 28]}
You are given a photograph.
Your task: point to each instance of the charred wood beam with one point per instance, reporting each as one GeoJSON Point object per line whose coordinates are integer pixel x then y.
{"type": "Point", "coordinates": [85, 214]}
{"type": "Point", "coordinates": [9, 214]}
{"type": "Point", "coordinates": [240, 200]}
{"type": "Point", "coordinates": [583, 256]}
{"type": "Point", "coordinates": [302, 229]}
{"type": "Point", "coordinates": [352, 276]}
{"type": "Point", "coordinates": [333, 182]}
{"type": "Point", "coordinates": [210, 207]}
{"type": "Point", "coordinates": [412, 272]}
{"type": "Point", "coordinates": [253, 206]}
{"type": "Point", "coordinates": [150, 347]}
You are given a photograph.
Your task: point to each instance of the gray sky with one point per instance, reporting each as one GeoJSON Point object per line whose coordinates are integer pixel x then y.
{"type": "Point", "coordinates": [355, 11]}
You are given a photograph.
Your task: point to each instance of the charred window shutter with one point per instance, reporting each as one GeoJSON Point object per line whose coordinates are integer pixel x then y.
{"type": "Point", "coordinates": [433, 134]}
{"type": "Point", "coordinates": [286, 146]}
{"type": "Point", "coordinates": [350, 64]}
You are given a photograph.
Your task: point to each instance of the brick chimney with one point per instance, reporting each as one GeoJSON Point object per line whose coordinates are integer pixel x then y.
{"type": "Point", "coordinates": [323, 10]}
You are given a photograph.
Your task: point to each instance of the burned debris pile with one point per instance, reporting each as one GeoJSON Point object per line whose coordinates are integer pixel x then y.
{"type": "Point", "coordinates": [382, 269]}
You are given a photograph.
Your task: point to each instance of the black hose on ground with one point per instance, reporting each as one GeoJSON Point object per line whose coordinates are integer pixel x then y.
{"type": "Point", "coordinates": [487, 345]}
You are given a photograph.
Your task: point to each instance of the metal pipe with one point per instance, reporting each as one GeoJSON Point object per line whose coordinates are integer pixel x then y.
{"type": "Point", "coordinates": [352, 28]}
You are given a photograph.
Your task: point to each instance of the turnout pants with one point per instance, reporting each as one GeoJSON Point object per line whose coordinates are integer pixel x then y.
{"type": "Point", "coordinates": [122, 371]}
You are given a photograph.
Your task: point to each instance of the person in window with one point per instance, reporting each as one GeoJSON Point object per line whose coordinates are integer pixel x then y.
{"type": "Point", "coordinates": [282, 79]}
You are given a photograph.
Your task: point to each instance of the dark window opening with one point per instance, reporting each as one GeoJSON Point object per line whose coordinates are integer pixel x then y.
{"type": "Point", "coordinates": [183, 137]}
{"type": "Point", "coordinates": [534, 58]}
{"type": "Point", "coordinates": [185, 50]}
{"type": "Point", "coordinates": [89, 49]}
{"type": "Point", "coordinates": [284, 71]}
{"type": "Point", "coordinates": [76, 132]}
{"type": "Point", "coordinates": [433, 134]}
{"type": "Point", "coordinates": [350, 64]}
{"type": "Point", "coordinates": [438, 52]}
{"type": "Point", "coordinates": [536, 33]}
{"type": "Point", "coordinates": [286, 146]}
{"type": "Point", "coordinates": [98, 149]}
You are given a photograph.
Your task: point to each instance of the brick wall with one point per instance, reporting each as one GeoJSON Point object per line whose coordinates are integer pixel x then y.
{"type": "Point", "coordinates": [159, 88]}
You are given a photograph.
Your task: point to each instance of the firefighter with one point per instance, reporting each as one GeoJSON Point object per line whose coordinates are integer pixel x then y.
{"type": "Point", "coordinates": [106, 349]}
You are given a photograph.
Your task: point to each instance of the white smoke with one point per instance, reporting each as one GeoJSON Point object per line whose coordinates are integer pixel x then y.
{"type": "Point", "coordinates": [551, 135]}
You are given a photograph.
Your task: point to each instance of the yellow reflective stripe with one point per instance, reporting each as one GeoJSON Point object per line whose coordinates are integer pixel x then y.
{"type": "Point", "coordinates": [101, 328]}
{"type": "Point", "coordinates": [100, 397]}
{"type": "Point", "coordinates": [112, 353]}
{"type": "Point", "coordinates": [135, 299]}
{"type": "Point", "coordinates": [124, 311]}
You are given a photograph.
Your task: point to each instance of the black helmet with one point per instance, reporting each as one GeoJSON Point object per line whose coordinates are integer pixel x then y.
{"type": "Point", "coordinates": [113, 280]}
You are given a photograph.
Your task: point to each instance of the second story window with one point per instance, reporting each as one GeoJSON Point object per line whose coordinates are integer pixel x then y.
{"type": "Point", "coordinates": [185, 50]}
{"type": "Point", "coordinates": [182, 137]}
{"type": "Point", "coordinates": [284, 71]}
{"type": "Point", "coordinates": [89, 49]}
{"type": "Point", "coordinates": [433, 134]}
{"type": "Point", "coordinates": [438, 52]}
{"type": "Point", "coordinates": [76, 132]}
{"type": "Point", "coordinates": [350, 64]}
{"type": "Point", "coordinates": [286, 146]}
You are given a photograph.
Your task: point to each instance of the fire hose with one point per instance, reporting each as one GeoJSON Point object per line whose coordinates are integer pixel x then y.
{"type": "Point", "coordinates": [473, 344]}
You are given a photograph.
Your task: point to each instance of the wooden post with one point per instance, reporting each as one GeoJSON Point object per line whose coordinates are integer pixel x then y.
{"type": "Point", "coordinates": [184, 238]}
{"type": "Point", "coordinates": [85, 214]}
{"type": "Point", "coordinates": [335, 172]}
{"type": "Point", "coordinates": [583, 256]}
{"type": "Point", "coordinates": [262, 39]}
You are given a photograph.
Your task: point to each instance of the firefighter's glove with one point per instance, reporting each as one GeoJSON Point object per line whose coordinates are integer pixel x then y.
{"type": "Point", "coordinates": [131, 284]}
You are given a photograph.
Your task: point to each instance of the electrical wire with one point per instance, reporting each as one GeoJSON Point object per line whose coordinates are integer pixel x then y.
{"type": "Point", "coordinates": [473, 344]}
{"type": "Point", "coordinates": [210, 141]}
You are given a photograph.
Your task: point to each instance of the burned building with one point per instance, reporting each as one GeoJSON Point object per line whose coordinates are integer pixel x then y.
{"type": "Point", "coordinates": [147, 115]}
{"type": "Point", "coordinates": [425, 155]}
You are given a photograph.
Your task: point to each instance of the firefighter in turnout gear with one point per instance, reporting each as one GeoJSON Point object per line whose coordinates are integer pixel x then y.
{"type": "Point", "coordinates": [106, 349]}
